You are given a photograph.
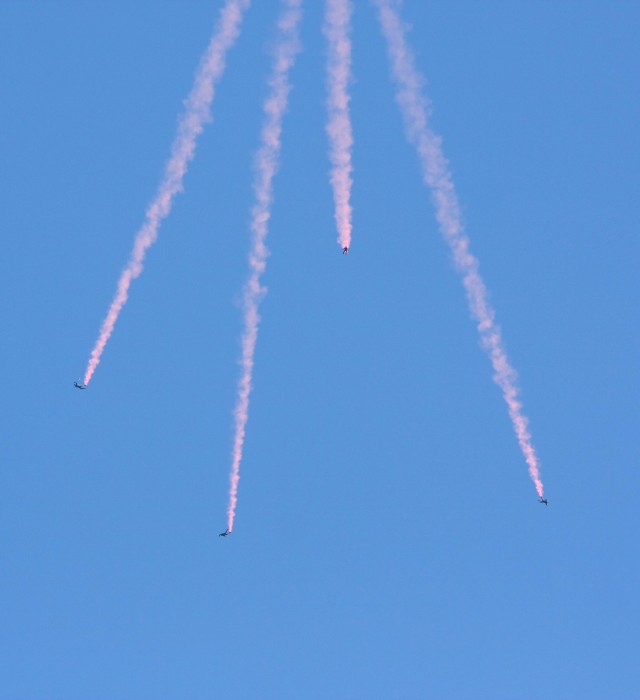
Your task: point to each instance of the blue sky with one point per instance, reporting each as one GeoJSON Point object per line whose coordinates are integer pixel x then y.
{"type": "Point", "coordinates": [388, 542]}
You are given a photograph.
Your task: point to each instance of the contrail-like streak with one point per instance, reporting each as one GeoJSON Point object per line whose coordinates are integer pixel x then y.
{"type": "Point", "coordinates": [266, 166]}
{"type": "Point", "coordinates": [197, 112]}
{"type": "Point", "coordinates": [336, 29]}
{"type": "Point", "coordinates": [435, 171]}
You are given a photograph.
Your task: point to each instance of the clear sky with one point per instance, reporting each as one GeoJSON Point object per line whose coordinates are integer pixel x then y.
{"type": "Point", "coordinates": [388, 540]}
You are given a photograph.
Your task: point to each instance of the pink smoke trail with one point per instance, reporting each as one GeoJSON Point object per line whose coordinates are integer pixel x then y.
{"type": "Point", "coordinates": [435, 171]}
{"type": "Point", "coordinates": [266, 165]}
{"type": "Point", "coordinates": [336, 29]}
{"type": "Point", "coordinates": [197, 112]}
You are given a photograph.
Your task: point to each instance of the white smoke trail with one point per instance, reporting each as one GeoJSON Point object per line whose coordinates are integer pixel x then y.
{"type": "Point", "coordinates": [435, 171]}
{"type": "Point", "coordinates": [266, 163]}
{"type": "Point", "coordinates": [336, 29]}
{"type": "Point", "coordinates": [197, 112]}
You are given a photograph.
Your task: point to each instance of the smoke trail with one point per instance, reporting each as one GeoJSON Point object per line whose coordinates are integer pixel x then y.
{"type": "Point", "coordinates": [435, 171]}
{"type": "Point", "coordinates": [197, 112]}
{"type": "Point", "coordinates": [266, 165]}
{"type": "Point", "coordinates": [336, 29]}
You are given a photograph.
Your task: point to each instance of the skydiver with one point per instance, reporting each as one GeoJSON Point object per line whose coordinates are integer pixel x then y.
{"type": "Point", "coordinates": [345, 250]}
{"type": "Point", "coordinates": [225, 533]}
{"type": "Point", "coordinates": [79, 386]}
{"type": "Point", "coordinates": [543, 500]}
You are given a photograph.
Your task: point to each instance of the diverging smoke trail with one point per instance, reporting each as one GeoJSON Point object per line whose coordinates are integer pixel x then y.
{"type": "Point", "coordinates": [197, 112]}
{"type": "Point", "coordinates": [266, 166]}
{"type": "Point", "coordinates": [415, 110]}
{"type": "Point", "coordinates": [336, 29]}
